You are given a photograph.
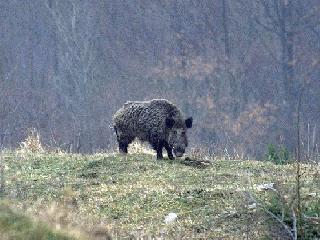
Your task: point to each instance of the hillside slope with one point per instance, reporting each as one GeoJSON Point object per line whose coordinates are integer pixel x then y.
{"type": "Point", "coordinates": [106, 195]}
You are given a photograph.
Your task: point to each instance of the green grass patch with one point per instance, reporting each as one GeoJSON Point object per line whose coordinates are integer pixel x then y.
{"type": "Point", "coordinates": [131, 196]}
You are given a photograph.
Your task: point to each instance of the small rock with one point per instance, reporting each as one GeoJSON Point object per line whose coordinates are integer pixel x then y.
{"type": "Point", "coordinates": [265, 187]}
{"type": "Point", "coordinates": [313, 194]}
{"type": "Point", "coordinates": [252, 206]}
{"type": "Point", "coordinates": [170, 218]}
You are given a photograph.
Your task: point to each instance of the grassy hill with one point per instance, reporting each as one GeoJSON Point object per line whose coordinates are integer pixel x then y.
{"type": "Point", "coordinates": [109, 195]}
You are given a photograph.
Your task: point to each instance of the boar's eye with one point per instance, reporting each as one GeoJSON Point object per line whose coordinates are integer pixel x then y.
{"type": "Point", "coordinates": [183, 133]}
{"type": "Point", "coordinates": [174, 132]}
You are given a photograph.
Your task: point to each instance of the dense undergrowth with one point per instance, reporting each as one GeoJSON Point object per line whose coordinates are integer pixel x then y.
{"type": "Point", "coordinates": [109, 195]}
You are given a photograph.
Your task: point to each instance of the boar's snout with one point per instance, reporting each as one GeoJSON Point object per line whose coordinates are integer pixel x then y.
{"type": "Point", "coordinates": [178, 152]}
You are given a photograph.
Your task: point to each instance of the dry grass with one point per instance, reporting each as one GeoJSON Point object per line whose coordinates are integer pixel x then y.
{"type": "Point", "coordinates": [32, 143]}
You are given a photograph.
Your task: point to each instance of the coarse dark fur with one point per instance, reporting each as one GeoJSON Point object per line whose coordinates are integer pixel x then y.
{"type": "Point", "coordinates": [158, 122]}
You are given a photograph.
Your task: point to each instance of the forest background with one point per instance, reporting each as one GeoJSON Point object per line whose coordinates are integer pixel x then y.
{"type": "Point", "coordinates": [239, 67]}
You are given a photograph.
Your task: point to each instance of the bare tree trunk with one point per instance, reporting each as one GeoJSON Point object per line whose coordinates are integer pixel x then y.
{"type": "Point", "coordinates": [2, 177]}
{"type": "Point", "coordinates": [182, 55]}
{"type": "Point", "coordinates": [298, 169]}
{"type": "Point", "coordinates": [287, 45]}
{"type": "Point", "coordinates": [225, 28]}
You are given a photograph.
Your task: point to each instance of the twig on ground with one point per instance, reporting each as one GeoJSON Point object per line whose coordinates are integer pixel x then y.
{"type": "Point", "coordinates": [286, 227]}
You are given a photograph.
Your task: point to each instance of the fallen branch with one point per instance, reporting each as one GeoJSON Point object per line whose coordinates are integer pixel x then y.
{"type": "Point", "coordinates": [279, 220]}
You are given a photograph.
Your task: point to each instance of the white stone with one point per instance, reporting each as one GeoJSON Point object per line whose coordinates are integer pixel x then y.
{"type": "Point", "coordinates": [266, 186]}
{"type": "Point", "coordinates": [170, 218]}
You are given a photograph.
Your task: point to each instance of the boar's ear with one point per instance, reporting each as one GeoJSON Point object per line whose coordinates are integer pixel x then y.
{"type": "Point", "coordinates": [188, 122]}
{"type": "Point", "coordinates": [169, 122]}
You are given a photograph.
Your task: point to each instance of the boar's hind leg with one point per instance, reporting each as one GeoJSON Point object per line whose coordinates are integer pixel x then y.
{"type": "Point", "coordinates": [123, 140]}
{"type": "Point", "coordinates": [123, 147]}
{"type": "Point", "coordinates": [169, 151]}
{"type": "Point", "coordinates": [123, 143]}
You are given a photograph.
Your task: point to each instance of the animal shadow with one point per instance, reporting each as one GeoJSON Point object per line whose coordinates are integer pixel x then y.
{"type": "Point", "coordinates": [193, 162]}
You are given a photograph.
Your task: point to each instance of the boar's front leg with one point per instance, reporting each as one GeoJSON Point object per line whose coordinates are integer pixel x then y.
{"type": "Point", "coordinates": [169, 151]}
{"type": "Point", "coordinates": [158, 147]}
